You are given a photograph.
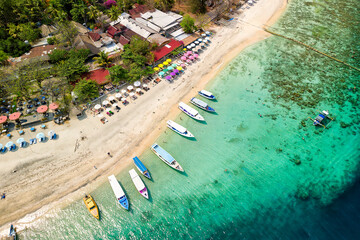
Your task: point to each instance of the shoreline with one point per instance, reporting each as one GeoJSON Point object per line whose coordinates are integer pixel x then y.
{"type": "Point", "coordinates": [137, 145]}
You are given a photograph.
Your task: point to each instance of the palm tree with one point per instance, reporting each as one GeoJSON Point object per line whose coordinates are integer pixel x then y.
{"type": "Point", "coordinates": [113, 13]}
{"type": "Point", "coordinates": [93, 13]}
{"type": "Point", "coordinates": [103, 59]}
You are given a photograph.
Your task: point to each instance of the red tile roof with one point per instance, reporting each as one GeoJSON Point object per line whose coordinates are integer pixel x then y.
{"type": "Point", "coordinates": [123, 41]}
{"type": "Point", "coordinates": [38, 51]}
{"type": "Point", "coordinates": [137, 10]}
{"type": "Point", "coordinates": [98, 75]}
{"type": "Point", "coordinates": [94, 36]}
{"type": "Point", "coordinates": [112, 31]}
{"type": "Point", "coordinates": [168, 48]}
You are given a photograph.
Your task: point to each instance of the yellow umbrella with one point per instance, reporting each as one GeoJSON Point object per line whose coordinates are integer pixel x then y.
{"type": "Point", "coordinates": [156, 69]}
{"type": "Point", "coordinates": [179, 68]}
{"type": "Point", "coordinates": [184, 49]}
{"type": "Point", "coordinates": [160, 66]}
{"type": "Point", "coordinates": [168, 60]}
{"type": "Point", "coordinates": [165, 63]}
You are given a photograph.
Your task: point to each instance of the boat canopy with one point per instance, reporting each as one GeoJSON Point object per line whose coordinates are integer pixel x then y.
{"type": "Point", "coordinates": [176, 126]}
{"type": "Point", "coordinates": [190, 110]}
{"type": "Point", "coordinates": [206, 93]}
{"type": "Point", "coordinates": [199, 102]}
{"type": "Point", "coordinates": [139, 164]}
{"type": "Point", "coordinates": [164, 154]}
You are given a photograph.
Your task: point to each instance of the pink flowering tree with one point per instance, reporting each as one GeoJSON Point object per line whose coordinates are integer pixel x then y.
{"type": "Point", "coordinates": [110, 3]}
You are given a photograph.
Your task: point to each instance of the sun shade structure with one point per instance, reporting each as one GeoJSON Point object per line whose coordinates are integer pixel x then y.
{"type": "Point", "coordinates": [138, 90]}
{"type": "Point", "coordinates": [137, 83]}
{"type": "Point", "coordinates": [165, 70]}
{"type": "Point", "coordinates": [156, 69]}
{"type": "Point", "coordinates": [3, 119]}
{"type": "Point", "coordinates": [174, 65]}
{"type": "Point", "coordinates": [123, 91]}
{"type": "Point", "coordinates": [165, 63]}
{"type": "Point", "coordinates": [130, 88]}
{"type": "Point", "coordinates": [20, 140]}
{"type": "Point", "coordinates": [170, 68]}
{"type": "Point", "coordinates": [172, 74]}
{"type": "Point", "coordinates": [160, 65]}
{"type": "Point", "coordinates": [168, 60]}
{"type": "Point", "coordinates": [161, 73]}
{"type": "Point", "coordinates": [9, 144]}
{"type": "Point", "coordinates": [179, 68]}
{"type": "Point", "coordinates": [123, 99]}
{"type": "Point", "coordinates": [168, 77]}
{"type": "Point", "coordinates": [42, 109]}
{"type": "Point", "coordinates": [51, 133]}
{"type": "Point", "coordinates": [176, 71]}
{"type": "Point", "coordinates": [54, 106]}
{"type": "Point", "coordinates": [105, 102]}
{"type": "Point", "coordinates": [132, 94]}
{"type": "Point", "coordinates": [118, 95]}
{"type": "Point", "coordinates": [97, 106]}
{"type": "Point", "coordinates": [183, 58]}
{"type": "Point", "coordinates": [40, 135]}
{"type": "Point", "coordinates": [14, 116]}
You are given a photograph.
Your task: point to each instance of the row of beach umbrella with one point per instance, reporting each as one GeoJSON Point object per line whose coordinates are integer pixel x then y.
{"type": "Point", "coordinates": [20, 141]}
{"type": "Point", "coordinates": [16, 115]}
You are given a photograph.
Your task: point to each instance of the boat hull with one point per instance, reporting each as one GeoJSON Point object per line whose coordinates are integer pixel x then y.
{"type": "Point", "coordinates": [91, 206]}
{"type": "Point", "coordinates": [197, 117]}
{"type": "Point", "coordinates": [141, 167]}
{"type": "Point", "coordinates": [212, 97]}
{"type": "Point", "coordinates": [207, 108]}
{"type": "Point", "coordinates": [188, 134]}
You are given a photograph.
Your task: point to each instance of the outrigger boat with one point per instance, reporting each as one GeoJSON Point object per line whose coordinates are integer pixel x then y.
{"type": "Point", "coordinates": [12, 234]}
{"type": "Point", "coordinates": [201, 104]}
{"type": "Point", "coordinates": [206, 94]}
{"type": "Point", "coordinates": [141, 167]}
{"type": "Point", "coordinates": [166, 157]}
{"type": "Point", "coordinates": [190, 111]}
{"type": "Point", "coordinates": [179, 129]}
{"type": "Point", "coordinates": [91, 206]}
{"type": "Point", "coordinates": [321, 117]}
{"type": "Point", "coordinates": [119, 192]}
{"type": "Point", "coordinates": [139, 184]}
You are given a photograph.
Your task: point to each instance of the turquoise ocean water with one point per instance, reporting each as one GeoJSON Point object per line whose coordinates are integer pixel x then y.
{"type": "Point", "coordinates": [241, 179]}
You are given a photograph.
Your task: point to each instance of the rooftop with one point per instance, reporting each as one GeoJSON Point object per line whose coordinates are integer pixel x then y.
{"type": "Point", "coordinates": [168, 48]}
{"type": "Point", "coordinates": [98, 75]}
{"type": "Point", "coordinates": [38, 51]}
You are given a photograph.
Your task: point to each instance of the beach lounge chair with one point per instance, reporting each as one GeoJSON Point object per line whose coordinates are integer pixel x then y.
{"type": "Point", "coordinates": [3, 149]}
{"type": "Point", "coordinates": [13, 147]}
{"type": "Point", "coordinates": [35, 141]}
{"type": "Point", "coordinates": [53, 137]}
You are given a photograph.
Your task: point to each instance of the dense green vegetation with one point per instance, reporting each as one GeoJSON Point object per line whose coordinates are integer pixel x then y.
{"type": "Point", "coordinates": [86, 90]}
{"type": "Point", "coordinates": [188, 24]}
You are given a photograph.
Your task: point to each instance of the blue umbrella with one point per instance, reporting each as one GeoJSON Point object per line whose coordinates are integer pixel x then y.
{"type": "Point", "coordinates": [161, 73]}
{"type": "Point", "coordinates": [8, 135]}
{"type": "Point", "coordinates": [1, 146]}
{"type": "Point", "coordinates": [21, 131]}
{"type": "Point", "coordinates": [32, 129]}
{"type": "Point", "coordinates": [20, 140]}
{"type": "Point", "coordinates": [40, 135]}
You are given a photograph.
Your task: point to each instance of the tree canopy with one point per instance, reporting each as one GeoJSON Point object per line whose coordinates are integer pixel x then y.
{"type": "Point", "coordinates": [103, 59]}
{"type": "Point", "coordinates": [86, 90]}
{"type": "Point", "coordinates": [118, 74]}
{"type": "Point", "coordinates": [188, 24]}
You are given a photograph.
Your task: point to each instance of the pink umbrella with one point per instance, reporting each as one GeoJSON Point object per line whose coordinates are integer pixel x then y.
{"type": "Point", "coordinates": [183, 65]}
{"type": "Point", "coordinates": [172, 74]}
{"type": "Point", "coordinates": [196, 55]}
{"type": "Point", "coordinates": [42, 109]}
{"type": "Point", "coordinates": [176, 71]}
{"type": "Point", "coordinates": [3, 119]}
{"type": "Point", "coordinates": [191, 57]}
{"type": "Point", "coordinates": [54, 106]}
{"type": "Point", "coordinates": [189, 52]}
{"type": "Point", "coordinates": [188, 61]}
{"type": "Point", "coordinates": [183, 58]}
{"type": "Point", "coordinates": [15, 116]}
{"type": "Point", "coordinates": [168, 77]}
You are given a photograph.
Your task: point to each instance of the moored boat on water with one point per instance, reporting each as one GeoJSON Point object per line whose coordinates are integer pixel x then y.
{"type": "Point", "coordinates": [166, 157]}
{"type": "Point", "coordinates": [190, 111]}
{"type": "Point", "coordinates": [206, 94]}
{"type": "Point", "coordinates": [141, 167]}
{"type": "Point", "coordinates": [119, 192]}
{"type": "Point", "coordinates": [91, 206]}
{"type": "Point", "coordinates": [201, 104]}
{"type": "Point", "coordinates": [139, 184]}
{"type": "Point", "coordinates": [179, 129]}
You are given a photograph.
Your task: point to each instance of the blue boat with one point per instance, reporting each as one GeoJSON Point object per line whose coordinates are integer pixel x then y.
{"type": "Point", "coordinates": [166, 157]}
{"type": "Point", "coordinates": [12, 234]}
{"type": "Point", "coordinates": [141, 167]}
{"type": "Point", "coordinates": [119, 192]}
{"type": "Point", "coordinates": [206, 94]}
{"type": "Point", "coordinates": [201, 104]}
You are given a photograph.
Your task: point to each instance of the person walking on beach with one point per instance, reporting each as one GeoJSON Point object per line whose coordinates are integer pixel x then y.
{"type": "Point", "coordinates": [109, 154]}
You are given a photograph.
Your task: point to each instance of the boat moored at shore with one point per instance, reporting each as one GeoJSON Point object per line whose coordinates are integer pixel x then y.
{"type": "Point", "coordinates": [201, 104]}
{"type": "Point", "coordinates": [119, 192]}
{"type": "Point", "coordinates": [179, 129]}
{"type": "Point", "coordinates": [91, 206]}
{"type": "Point", "coordinates": [166, 157]}
{"type": "Point", "coordinates": [141, 167]}
{"type": "Point", "coordinates": [139, 184]}
{"type": "Point", "coordinates": [190, 112]}
{"type": "Point", "coordinates": [206, 94]}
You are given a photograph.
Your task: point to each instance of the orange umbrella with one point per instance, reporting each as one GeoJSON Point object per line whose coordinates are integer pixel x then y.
{"type": "Point", "coordinates": [15, 116]}
{"type": "Point", "coordinates": [3, 119]}
{"type": "Point", "coordinates": [54, 106]}
{"type": "Point", "coordinates": [42, 109]}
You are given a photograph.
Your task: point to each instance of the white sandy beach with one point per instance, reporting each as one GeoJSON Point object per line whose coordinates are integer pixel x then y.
{"type": "Point", "coordinates": [62, 170]}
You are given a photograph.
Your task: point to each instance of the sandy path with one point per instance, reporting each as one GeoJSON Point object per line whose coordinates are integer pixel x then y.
{"type": "Point", "coordinates": [64, 169]}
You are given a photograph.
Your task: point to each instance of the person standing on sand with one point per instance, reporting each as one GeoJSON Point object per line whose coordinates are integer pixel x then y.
{"type": "Point", "coordinates": [109, 154]}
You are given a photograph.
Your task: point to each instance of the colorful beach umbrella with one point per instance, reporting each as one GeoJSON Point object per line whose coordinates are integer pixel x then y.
{"type": "Point", "coordinates": [118, 95]}
{"type": "Point", "coordinates": [168, 77]}
{"type": "Point", "coordinates": [130, 88]}
{"type": "Point", "coordinates": [8, 135]}
{"type": "Point", "coordinates": [172, 74]}
{"type": "Point", "coordinates": [168, 60]}
{"type": "Point", "coordinates": [174, 65]}
{"type": "Point", "coordinates": [196, 55]}
{"type": "Point", "coordinates": [51, 133]}
{"type": "Point", "coordinates": [160, 65]}
{"type": "Point", "coordinates": [138, 90]}
{"type": "Point", "coordinates": [183, 65]}
{"type": "Point", "coordinates": [123, 99]}
{"type": "Point", "coordinates": [200, 40]}
{"type": "Point", "coordinates": [145, 85]}
{"type": "Point", "coordinates": [42, 109]}
{"type": "Point", "coordinates": [165, 70]}
{"type": "Point", "coordinates": [165, 63]}
{"type": "Point", "coordinates": [9, 144]}
{"type": "Point", "coordinates": [54, 106]}
{"type": "Point", "coordinates": [3, 119]}
{"type": "Point", "coordinates": [132, 94]}
{"type": "Point", "coordinates": [196, 42]}
{"type": "Point", "coordinates": [176, 71]}
{"type": "Point", "coordinates": [191, 58]}
{"type": "Point", "coordinates": [123, 91]}
{"type": "Point", "coordinates": [137, 83]}
{"type": "Point", "coordinates": [105, 102]}
{"type": "Point", "coordinates": [179, 68]}
{"type": "Point", "coordinates": [111, 98]}
{"type": "Point", "coordinates": [156, 69]}
{"type": "Point", "coordinates": [15, 116]}
{"type": "Point", "coordinates": [20, 140]}
{"type": "Point", "coordinates": [161, 73]}
{"type": "Point", "coordinates": [97, 106]}
{"type": "Point", "coordinates": [184, 49]}
{"type": "Point", "coordinates": [188, 61]}
{"type": "Point", "coordinates": [189, 52]}
{"type": "Point", "coordinates": [170, 68]}
{"type": "Point", "coordinates": [183, 58]}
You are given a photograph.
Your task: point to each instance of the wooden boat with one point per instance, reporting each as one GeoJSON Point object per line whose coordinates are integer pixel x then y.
{"type": "Point", "coordinates": [179, 129]}
{"type": "Point", "coordinates": [91, 206]}
{"type": "Point", "coordinates": [139, 184]}
{"type": "Point", "coordinates": [321, 118]}
{"type": "Point", "coordinates": [206, 94]}
{"type": "Point", "coordinates": [119, 192]}
{"type": "Point", "coordinates": [190, 111]}
{"type": "Point", "coordinates": [141, 167]}
{"type": "Point", "coordinates": [201, 104]}
{"type": "Point", "coordinates": [166, 157]}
